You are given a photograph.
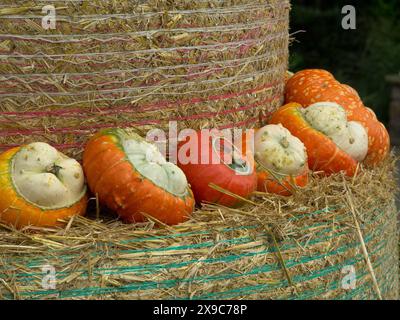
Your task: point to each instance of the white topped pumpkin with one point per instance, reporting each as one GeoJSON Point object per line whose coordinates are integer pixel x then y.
{"type": "Point", "coordinates": [149, 161]}
{"type": "Point", "coordinates": [131, 177]}
{"type": "Point", "coordinates": [277, 150]}
{"type": "Point", "coordinates": [331, 119]}
{"type": "Point", "coordinates": [282, 160]}
{"type": "Point", "coordinates": [40, 186]}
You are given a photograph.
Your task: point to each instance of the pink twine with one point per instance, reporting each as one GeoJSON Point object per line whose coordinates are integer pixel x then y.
{"type": "Point", "coordinates": [146, 108]}
{"type": "Point", "coordinates": [7, 133]}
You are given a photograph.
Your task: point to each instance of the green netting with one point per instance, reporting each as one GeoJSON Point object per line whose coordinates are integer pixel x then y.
{"type": "Point", "coordinates": [378, 248]}
{"type": "Point", "coordinates": [151, 268]}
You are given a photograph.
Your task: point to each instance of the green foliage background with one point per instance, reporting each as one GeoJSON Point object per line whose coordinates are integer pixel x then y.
{"type": "Point", "coordinates": [361, 57]}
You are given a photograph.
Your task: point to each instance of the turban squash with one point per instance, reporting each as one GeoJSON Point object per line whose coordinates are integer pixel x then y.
{"type": "Point", "coordinates": [333, 144]}
{"type": "Point", "coordinates": [40, 186]}
{"type": "Point", "coordinates": [281, 160]}
{"type": "Point", "coordinates": [314, 85]}
{"type": "Point", "coordinates": [132, 178]}
{"type": "Point", "coordinates": [208, 157]}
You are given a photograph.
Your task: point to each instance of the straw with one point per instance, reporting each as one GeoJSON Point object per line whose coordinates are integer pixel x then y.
{"type": "Point", "coordinates": [138, 64]}
{"type": "Point", "coordinates": [221, 253]}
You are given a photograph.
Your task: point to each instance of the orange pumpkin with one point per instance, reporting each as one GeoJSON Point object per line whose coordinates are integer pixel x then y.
{"type": "Point", "coordinates": [285, 185]}
{"type": "Point", "coordinates": [323, 154]}
{"type": "Point", "coordinates": [132, 178]}
{"type": "Point", "coordinates": [40, 186]}
{"type": "Point", "coordinates": [209, 158]}
{"type": "Point", "coordinates": [310, 86]}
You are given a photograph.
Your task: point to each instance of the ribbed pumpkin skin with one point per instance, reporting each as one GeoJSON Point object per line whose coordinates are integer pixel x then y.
{"type": "Point", "coordinates": [124, 190]}
{"type": "Point", "coordinates": [310, 86]}
{"type": "Point", "coordinates": [267, 183]}
{"type": "Point", "coordinates": [323, 154]}
{"type": "Point", "coordinates": [16, 211]}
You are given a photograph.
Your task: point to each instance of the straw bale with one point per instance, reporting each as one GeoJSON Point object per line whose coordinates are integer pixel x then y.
{"type": "Point", "coordinates": [206, 63]}
{"type": "Point", "coordinates": [277, 248]}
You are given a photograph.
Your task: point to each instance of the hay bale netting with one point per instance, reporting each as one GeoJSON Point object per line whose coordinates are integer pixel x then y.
{"type": "Point", "coordinates": [206, 63]}
{"type": "Point", "coordinates": [303, 247]}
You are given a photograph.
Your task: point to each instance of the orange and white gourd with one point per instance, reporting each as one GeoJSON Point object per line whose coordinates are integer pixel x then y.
{"type": "Point", "coordinates": [307, 87]}
{"type": "Point", "coordinates": [333, 143]}
{"type": "Point", "coordinates": [40, 186]}
{"type": "Point", "coordinates": [282, 160]}
{"type": "Point", "coordinates": [330, 119]}
{"type": "Point", "coordinates": [131, 177]}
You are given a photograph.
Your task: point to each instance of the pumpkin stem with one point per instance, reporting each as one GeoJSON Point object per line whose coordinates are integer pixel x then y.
{"type": "Point", "coordinates": [238, 163]}
{"type": "Point", "coordinates": [54, 169]}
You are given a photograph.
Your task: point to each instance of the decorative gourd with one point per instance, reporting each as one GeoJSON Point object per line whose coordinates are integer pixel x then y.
{"type": "Point", "coordinates": [131, 177]}
{"type": "Point", "coordinates": [323, 152]}
{"type": "Point", "coordinates": [40, 186]}
{"type": "Point", "coordinates": [282, 160]}
{"type": "Point", "coordinates": [211, 159]}
{"type": "Point", "coordinates": [330, 119]}
{"type": "Point", "coordinates": [314, 85]}
{"type": "Point", "coordinates": [310, 86]}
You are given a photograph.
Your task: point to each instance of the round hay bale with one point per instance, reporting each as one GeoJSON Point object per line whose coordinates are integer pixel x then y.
{"type": "Point", "coordinates": [309, 246]}
{"type": "Point", "coordinates": [106, 63]}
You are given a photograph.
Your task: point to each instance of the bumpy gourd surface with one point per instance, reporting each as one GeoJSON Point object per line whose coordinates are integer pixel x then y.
{"type": "Point", "coordinates": [150, 163]}
{"type": "Point", "coordinates": [331, 119]}
{"type": "Point", "coordinates": [278, 150]}
{"type": "Point", "coordinates": [46, 177]}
